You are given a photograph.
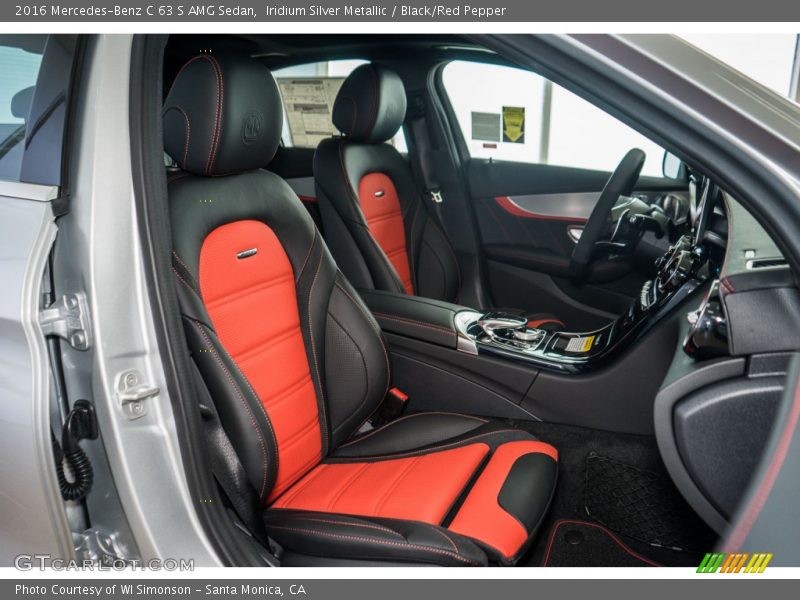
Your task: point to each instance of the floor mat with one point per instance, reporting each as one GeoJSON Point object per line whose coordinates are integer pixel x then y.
{"type": "Point", "coordinates": [584, 544]}
{"type": "Point", "coordinates": [641, 504]}
{"type": "Point", "coordinates": [575, 445]}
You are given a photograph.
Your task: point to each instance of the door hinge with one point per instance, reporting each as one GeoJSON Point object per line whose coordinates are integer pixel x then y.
{"type": "Point", "coordinates": [68, 318]}
{"type": "Point", "coordinates": [132, 391]}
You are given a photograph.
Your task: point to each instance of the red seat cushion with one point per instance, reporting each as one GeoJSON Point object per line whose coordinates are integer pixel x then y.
{"type": "Point", "coordinates": [425, 488]}
{"type": "Point", "coordinates": [419, 488]}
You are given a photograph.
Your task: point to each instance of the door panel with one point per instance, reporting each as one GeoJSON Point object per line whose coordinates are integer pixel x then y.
{"type": "Point", "coordinates": [529, 218]}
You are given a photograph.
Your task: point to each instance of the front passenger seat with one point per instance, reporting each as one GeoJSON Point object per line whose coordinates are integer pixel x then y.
{"type": "Point", "coordinates": [376, 223]}
{"type": "Point", "coordinates": [296, 364]}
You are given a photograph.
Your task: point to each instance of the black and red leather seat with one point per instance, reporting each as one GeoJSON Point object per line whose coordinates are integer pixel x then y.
{"type": "Point", "coordinates": [296, 364]}
{"type": "Point", "coordinates": [380, 231]}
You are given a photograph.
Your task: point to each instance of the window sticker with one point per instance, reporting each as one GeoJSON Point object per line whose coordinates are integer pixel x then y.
{"type": "Point", "coordinates": [309, 104]}
{"type": "Point", "coordinates": [486, 126]}
{"type": "Point", "coordinates": [514, 124]}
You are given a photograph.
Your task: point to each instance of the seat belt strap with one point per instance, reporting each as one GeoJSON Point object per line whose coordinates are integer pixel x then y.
{"type": "Point", "coordinates": [422, 161]}
{"type": "Point", "coordinates": [226, 466]}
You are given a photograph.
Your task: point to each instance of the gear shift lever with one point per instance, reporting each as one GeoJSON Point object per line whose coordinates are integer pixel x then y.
{"type": "Point", "coordinates": [509, 329]}
{"type": "Point", "coordinates": [493, 322]}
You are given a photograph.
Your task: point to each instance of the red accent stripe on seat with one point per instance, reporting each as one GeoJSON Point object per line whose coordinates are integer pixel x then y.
{"type": "Point", "coordinates": [381, 207]}
{"type": "Point", "coordinates": [252, 301]}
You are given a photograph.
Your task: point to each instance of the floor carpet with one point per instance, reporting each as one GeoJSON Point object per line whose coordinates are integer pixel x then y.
{"type": "Point", "coordinates": [617, 496]}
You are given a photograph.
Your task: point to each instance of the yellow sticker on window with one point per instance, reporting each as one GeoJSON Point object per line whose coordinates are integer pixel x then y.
{"type": "Point", "coordinates": [514, 124]}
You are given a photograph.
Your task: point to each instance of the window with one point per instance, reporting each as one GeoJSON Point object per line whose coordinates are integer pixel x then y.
{"type": "Point", "coordinates": [20, 59]}
{"type": "Point", "coordinates": [308, 92]}
{"type": "Point", "coordinates": [512, 114]}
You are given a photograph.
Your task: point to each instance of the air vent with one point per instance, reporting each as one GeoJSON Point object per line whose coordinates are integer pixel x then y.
{"type": "Point", "coordinates": [766, 263]}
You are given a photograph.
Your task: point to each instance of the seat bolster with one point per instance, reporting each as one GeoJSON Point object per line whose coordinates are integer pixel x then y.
{"type": "Point", "coordinates": [410, 433]}
{"type": "Point", "coordinates": [358, 538]}
{"type": "Point", "coordinates": [509, 500]}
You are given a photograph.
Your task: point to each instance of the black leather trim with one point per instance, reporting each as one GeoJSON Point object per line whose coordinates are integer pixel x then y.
{"type": "Point", "coordinates": [528, 489]}
{"type": "Point", "coordinates": [357, 368]}
{"type": "Point", "coordinates": [371, 104]}
{"type": "Point", "coordinates": [223, 115]}
{"type": "Point", "coordinates": [409, 432]}
{"type": "Point", "coordinates": [413, 316]}
{"type": "Point", "coordinates": [370, 538]}
{"type": "Point", "coordinates": [242, 416]}
{"type": "Point", "coordinates": [491, 433]}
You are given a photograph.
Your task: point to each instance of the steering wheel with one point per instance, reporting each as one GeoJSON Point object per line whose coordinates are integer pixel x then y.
{"type": "Point", "coordinates": [621, 183]}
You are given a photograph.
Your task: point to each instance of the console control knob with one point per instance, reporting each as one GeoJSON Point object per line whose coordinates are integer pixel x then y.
{"type": "Point", "coordinates": [528, 335]}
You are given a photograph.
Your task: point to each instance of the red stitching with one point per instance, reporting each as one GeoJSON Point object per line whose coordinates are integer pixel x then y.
{"type": "Point", "coordinates": [346, 486]}
{"type": "Point", "coordinates": [239, 394]}
{"type": "Point", "coordinates": [355, 111]}
{"type": "Point", "coordinates": [382, 542]}
{"type": "Point", "coordinates": [289, 495]}
{"type": "Point", "coordinates": [176, 176]}
{"type": "Point", "coordinates": [434, 448]}
{"type": "Point", "coordinates": [377, 329]}
{"type": "Point", "coordinates": [411, 262]}
{"type": "Point", "coordinates": [324, 424]}
{"type": "Point", "coordinates": [183, 281]}
{"type": "Point", "coordinates": [452, 252]}
{"type": "Point", "coordinates": [347, 524]}
{"type": "Point", "coordinates": [764, 488]}
{"type": "Point", "coordinates": [396, 421]}
{"type": "Point", "coordinates": [188, 132]}
{"type": "Point", "coordinates": [308, 255]}
{"type": "Point", "coordinates": [218, 112]}
{"type": "Point", "coordinates": [375, 100]}
{"type": "Point", "coordinates": [212, 153]}
{"type": "Point", "coordinates": [728, 284]}
{"type": "Point", "coordinates": [398, 478]}
{"type": "Point", "coordinates": [445, 536]}
{"type": "Point", "coordinates": [601, 528]}
{"type": "Point", "coordinates": [414, 322]}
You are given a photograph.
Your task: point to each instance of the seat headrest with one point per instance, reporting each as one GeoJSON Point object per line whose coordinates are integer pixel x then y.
{"type": "Point", "coordinates": [371, 104]}
{"type": "Point", "coordinates": [223, 115]}
{"type": "Point", "coordinates": [21, 103]}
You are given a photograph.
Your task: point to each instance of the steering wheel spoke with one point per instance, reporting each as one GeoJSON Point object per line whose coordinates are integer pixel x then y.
{"type": "Point", "coordinates": [621, 183]}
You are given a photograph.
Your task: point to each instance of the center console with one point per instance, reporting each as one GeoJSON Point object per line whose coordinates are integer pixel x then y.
{"type": "Point", "coordinates": [679, 274]}
{"type": "Point", "coordinates": [447, 357]}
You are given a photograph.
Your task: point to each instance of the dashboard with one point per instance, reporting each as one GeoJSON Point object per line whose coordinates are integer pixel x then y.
{"type": "Point", "coordinates": [715, 409]}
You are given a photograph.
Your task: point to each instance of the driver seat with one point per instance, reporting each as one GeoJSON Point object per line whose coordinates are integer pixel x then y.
{"type": "Point", "coordinates": [379, 229]}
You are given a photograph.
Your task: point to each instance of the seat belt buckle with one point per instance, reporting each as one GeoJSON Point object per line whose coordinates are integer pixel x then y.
{"type": "Point", "coordinates": [436, 196]}
{"type": "Point", "coordinates": [393, 405]}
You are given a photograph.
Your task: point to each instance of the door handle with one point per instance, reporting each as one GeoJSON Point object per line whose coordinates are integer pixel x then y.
{"type": "Point", "coordinates": [574, 232]}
